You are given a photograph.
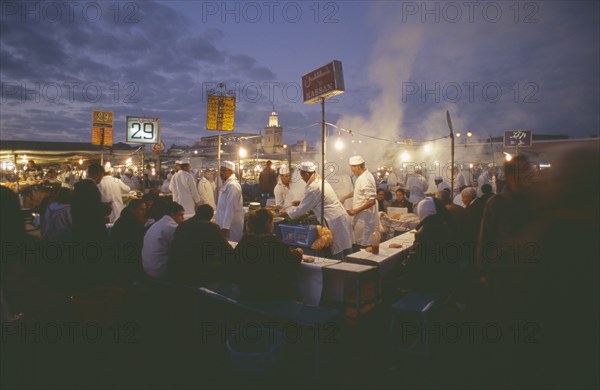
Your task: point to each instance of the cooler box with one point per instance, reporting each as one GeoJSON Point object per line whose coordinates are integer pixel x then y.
{"type": "Point", "coordinates": [299, 235]}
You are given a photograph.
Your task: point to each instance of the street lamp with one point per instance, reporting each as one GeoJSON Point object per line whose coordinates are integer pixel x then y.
{"type": "Point", "coordinates": [289, 153]}
{"type": "Point", "coordinates": [242, 153]}
{"type": "Point", "coordinates": [469, 135]}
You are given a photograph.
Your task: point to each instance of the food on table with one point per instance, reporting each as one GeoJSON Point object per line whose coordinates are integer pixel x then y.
{"type": "Point", "coordinates": [394, 245]}
{"type": "Point", "coordinates": [308, 259]}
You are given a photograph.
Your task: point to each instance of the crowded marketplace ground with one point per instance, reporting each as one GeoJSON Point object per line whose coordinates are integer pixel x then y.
{"type": "Point", "coordinates": [192, 284]}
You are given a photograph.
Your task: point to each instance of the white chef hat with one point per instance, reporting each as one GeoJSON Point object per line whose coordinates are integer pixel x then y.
{"type": "Point", "coordinates": [425, 208]}
{"type": "Point", "coordinates": [308, 166]}
{"type": "Point", "coordinates": [186, 161]}
{"type": "Point", "coordinates": [356, 160]}
{"type": "Point", "coordinates": [228, 165]}
{"type": "Point", "coordinates": [284, 170]}
{"type": "Point", "coordinates": [438, 178]}
{"type": "Point", "coordinates": [178, 162]}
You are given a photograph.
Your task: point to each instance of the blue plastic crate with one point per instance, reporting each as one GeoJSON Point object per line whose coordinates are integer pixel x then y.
{"type": "Point", "coordinates": [299, 235]}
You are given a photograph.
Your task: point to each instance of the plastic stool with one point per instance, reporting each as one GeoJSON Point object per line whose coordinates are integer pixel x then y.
{"type": "Point", "coordinates": [415, 306]}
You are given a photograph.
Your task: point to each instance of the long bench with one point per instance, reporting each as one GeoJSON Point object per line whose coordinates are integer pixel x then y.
{"type": "Point", "coordinates": [226, 294]}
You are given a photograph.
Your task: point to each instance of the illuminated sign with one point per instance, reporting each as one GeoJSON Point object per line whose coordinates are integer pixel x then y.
{"type": "Point", "coordinates": [220, 113]}
{"type": "Point", "coordinates": [517, 138]}
{"type": "Point", "coordinates": [323, 83]}
{"type": "Point", "coordinates": [142, 130]}
{"type": "Point", "coordinates": [102, 128]}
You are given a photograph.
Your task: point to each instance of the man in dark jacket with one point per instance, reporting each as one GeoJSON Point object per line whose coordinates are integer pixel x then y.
{"type": "Point", "coordinates": [89, 231]}
{"type": "Point", "coordinates": [265, 266]}
{"type": "Point", "coordinates": [128, 236]}
{"type": "Point", "coordinates": [267, 180]}
{"type": "Point", "coordinates": [199, 250]}
{"type": "Point", "coordinates": [87, 210]}
{"type": "Point", "coordinates": [432, 264]}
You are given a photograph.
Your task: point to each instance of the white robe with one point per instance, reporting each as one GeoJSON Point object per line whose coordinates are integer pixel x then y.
{"type": "Point", "coordinates": [157, 243]}
{"type": "Point", "coordinates": [336, 216]}
{"type": "Point", "coordinates": [111, 191]}
{"type": "Point", "coordinates": [394, 182]}
{"type": "Point", "coordinates": [365, 222]}
{"type": "Point", "coordinates": [206, 193]}
{"type": "Point", "coordinates": [283, 194]}
{"type": "Point", "coordinates": [230, 211]}
{"type": "Point", "coordinates": [417, 185]}
{"type": "Point", "coordinates": [185, 192]}
{"type": "Point", "coordinates": [484, 178]}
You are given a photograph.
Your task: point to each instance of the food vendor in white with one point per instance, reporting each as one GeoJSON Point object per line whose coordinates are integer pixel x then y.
{"type": "Point", "coordinates": [183, 187]}
{"type": "Point", "coordinates": [364, 205]}
{"type": "Point", "coordinates": [230, 212]}
{"type": "Point", "coordinates": [283, 195]}
{"type": "Point", "coordinates": [336, 217]}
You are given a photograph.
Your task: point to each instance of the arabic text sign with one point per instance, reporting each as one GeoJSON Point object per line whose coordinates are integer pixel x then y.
{"type": "Point", "coordinates": [323, 83]}
{"type": "Point", "coordinates": [517, 138]}
{"type": "Point", "coordinates": [220, 113]}
{"type": "Point", "coordinates": [102, 136]}
{"type": "Point", "coordinates": [142, 130]}
{"type": "Point", "coordinates": [102, 126]}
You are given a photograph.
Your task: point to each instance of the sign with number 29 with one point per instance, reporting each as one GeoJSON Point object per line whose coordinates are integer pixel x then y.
{"type": "Point", "coordinates": [141, 130]}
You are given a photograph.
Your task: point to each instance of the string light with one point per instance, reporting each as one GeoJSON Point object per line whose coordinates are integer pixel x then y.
{"type": "Point", "coordinates": [352, 132]}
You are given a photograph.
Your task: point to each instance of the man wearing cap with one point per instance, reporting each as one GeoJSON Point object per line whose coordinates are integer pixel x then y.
{"type": "Point", "coordinates": [205, 190]}
{"type": "Point", "coordinates": [130, 180]}
{"type": "Point", "coordinates": [335, 216]}
{"type": "Point", "coordinates": [486, 177]}
{"type": "Point", "coordinates": [283, 195]}
{"type": "Point", "coordinates": [394, 180]}
{"type": "Point", "coordinates": [183, 187]}
{"type": "Point", "coordinates": [417, 185]}
{"type": "Point", "coordinates": [111, 192]}
{"type": "Point", "coordinates": [230, 212]}
{"type": "Point", "coordinates": [441, 184]}
{"type": "Point", "coordinates": [364, 206]}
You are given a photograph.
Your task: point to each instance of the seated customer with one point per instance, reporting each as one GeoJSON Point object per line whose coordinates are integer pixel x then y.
{"type": "Point", "coordinates": [265, 266]}
{"type": "Point", "coordinates": [199, 250]}
{"type": "Point", "coordinates": [158, 240]}
{"type": "Point", "coordinates": [128, 234]}
{"type": "Point", "coordinates": [401, 201]}
{"type": "Point", "coordinates": [382, 204]}
{"type": "Point", "coordinates": [57, 221]}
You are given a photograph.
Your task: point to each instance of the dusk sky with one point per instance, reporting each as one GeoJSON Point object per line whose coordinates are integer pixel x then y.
{"type": "Point", "coordinates": [494, 65]}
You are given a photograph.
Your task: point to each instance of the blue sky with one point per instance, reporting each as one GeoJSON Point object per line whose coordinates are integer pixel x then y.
{"type": "Point", "coordinates": [493, 65]}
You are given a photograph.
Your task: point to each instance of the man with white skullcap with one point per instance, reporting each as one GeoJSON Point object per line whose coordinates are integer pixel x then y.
{"type": "Point", "coordinates": [335, 215]}
{"type": "Point", "coordinates": [112, 190]}
{"type": "Point", "coordinates": [441, 184]}
{"type": "Point", "coordinates": [230, 212]}
{"type": "Point", "coordinates": [130, 180]}
{"type": "Point", "coordinates": [205, 190]}
{"type": "Point", "coordinates": [417, 185]}
{"type": "Point", "coordinates": [283, 195]}
{"type": "Point", "coordinates": [183, 187]}
{"type": "Point", "coordinates": [364, 205]}
{"type": "Point", "coordinates": [486, 177]}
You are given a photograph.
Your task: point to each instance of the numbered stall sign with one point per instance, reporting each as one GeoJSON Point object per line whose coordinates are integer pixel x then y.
{"type": "Point", "coordinates": [141, 130]}
{"type": "Point", "coordinates": [102, 128]}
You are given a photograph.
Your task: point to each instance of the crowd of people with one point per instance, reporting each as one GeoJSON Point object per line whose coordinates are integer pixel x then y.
{"type": "Point", "coordinates": [526, 251]}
